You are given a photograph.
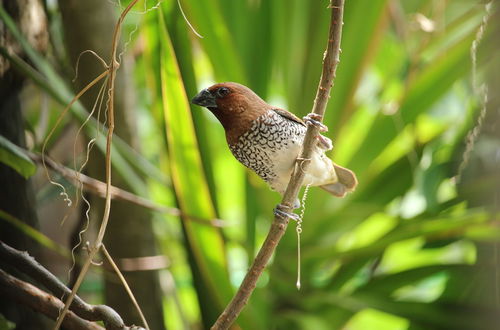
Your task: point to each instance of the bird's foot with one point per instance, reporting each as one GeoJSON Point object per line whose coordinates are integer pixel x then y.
{"type": "Point", "coordinates": [315, 119]}
{"type": "Point", "coordinates": [280, 211]}
{"type": "Point", "coordinates": [324, 142]}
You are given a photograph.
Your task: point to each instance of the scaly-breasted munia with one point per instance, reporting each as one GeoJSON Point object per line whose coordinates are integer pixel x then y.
{"type": "Point", "coordinates": [268, 139]}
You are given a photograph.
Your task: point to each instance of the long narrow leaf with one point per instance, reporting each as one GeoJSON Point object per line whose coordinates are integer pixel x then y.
{"type": "Point", "coordinates": [48, 79]}
{"type": "Point", "coordinates": [205, 242]}
{"type": "Point", "coordinates": [13, 156]}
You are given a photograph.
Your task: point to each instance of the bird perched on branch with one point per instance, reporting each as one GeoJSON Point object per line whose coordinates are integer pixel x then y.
{"type": "Point", "coordinates": [268, 139]}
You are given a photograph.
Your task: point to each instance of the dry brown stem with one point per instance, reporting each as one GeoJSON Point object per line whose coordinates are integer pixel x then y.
{"type": "Point", "coordinates": [26, 294]}
{"type": "Point", "coordinates": [278, 227]}
{"type": "Point", "coordinates": [80, 313]}
{"type": "Point", "coordinates": [99, 188]}
{"type": "Point", "coordinates": [96, 247]}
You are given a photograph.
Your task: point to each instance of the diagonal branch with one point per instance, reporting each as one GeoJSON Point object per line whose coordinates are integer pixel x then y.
{"type": "Point", "coordinates": [278, 227]}
{"type": "Point", "coordinates": [125, 284]}
{"type": "Point", "coordinates": [29, 266]}
{"type": "Point", "coordinates": [27, 294]}
{"type": "Point", "coordinates": [99, 188]}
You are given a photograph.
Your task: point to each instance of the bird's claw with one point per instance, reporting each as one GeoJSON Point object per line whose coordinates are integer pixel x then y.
{"type": "Point", "coordinates": [315, 119]}
{"type": "Point", "coordinates": [279, 211]}
{"type": "Point", "coordinates": [325, 142]}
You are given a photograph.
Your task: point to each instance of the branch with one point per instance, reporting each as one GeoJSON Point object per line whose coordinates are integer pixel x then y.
{"type": "Point", "coordinates": [26, 264]}
{"type": "Point", "coordinates": [278, 227]}
{"type": "Point", "coordinates": [113, 66]}
{"type": "Point", "coordinates": [26, 294]}
{"type": "Point", "coordinates": [99, 188]}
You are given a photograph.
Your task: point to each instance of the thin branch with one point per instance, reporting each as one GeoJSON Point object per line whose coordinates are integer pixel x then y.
{"type": "Point", "coordinates": [125, 284]}
{"type": "Point", "coordinates": [187, 21]}
{"type": "Point", "coordinates": [99, 188]}
{"type": "Point", "coordinates": [113, 66]}
{"type": "Point", "coordinates": [26, 264]}
{"type": "Point", "coordinates": [63, 113]}
{"type": "Point", "coordinates": [278, 227]}
{"type": "Point", "coordinates": [29, 295]}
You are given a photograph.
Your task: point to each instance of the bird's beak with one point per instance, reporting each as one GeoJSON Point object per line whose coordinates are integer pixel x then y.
{"type": "Point", "coordinates": [205, 99]}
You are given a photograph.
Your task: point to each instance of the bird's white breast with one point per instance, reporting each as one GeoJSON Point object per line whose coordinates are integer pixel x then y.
{"type": "Point", "coordinates": [270, 148]}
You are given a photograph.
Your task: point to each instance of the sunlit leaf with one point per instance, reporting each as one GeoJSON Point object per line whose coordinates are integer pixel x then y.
{"type": "Point", "coordinates": [14, 157]}
{"type": "Point", "coordinates": [49, 80]}
{"type": "Point", "coordinates": [205, 242]}
{"type": "Point", "coordinates": [33, 233]}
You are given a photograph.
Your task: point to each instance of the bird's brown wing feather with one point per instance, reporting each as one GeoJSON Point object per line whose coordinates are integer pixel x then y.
{"type": "Point", "coordinates": [288, 115]}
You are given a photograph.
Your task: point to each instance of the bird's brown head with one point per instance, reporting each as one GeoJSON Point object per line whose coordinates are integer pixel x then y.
{"type": "Point", "coordinates": [236, 106]}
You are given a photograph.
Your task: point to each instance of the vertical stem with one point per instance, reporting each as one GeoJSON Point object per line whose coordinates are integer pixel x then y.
{"type": "Point", "coordinates": [113, 66]}
{"type": "Point", "coordinates": [278, 227]}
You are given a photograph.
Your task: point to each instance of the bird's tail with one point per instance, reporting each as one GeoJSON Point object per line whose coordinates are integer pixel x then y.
{"type": "Point", "coordinates": [347, 182]}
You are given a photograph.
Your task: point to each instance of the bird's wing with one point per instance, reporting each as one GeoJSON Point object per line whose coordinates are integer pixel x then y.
{"type": "Point", "coordinates": [288, 115]}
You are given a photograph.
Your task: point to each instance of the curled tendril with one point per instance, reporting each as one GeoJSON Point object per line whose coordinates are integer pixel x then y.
{"type": "Point", "coordinates": [298, 230]}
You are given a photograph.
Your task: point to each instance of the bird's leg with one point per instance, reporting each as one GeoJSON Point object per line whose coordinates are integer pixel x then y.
{"type": "Point", "coordinates": [315, 119]}
{"type": "Point", "coordinates": [280, 211]}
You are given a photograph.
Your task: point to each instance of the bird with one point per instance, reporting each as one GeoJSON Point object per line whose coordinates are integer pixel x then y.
{"type": "Point", "coordinates": [268, 140]}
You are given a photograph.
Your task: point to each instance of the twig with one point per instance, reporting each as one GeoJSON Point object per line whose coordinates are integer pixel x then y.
{"type": "Point", "coordinates": [99, 188]}
{"type": "Point", "coordinates": [125, 284]}
{"type": "Point", "coordinates": [26, 264]}
{"type": "Point", "coordinates": [27, 294]}
{"type": "Point", "coordinates": [63, 113]}
{"type": "Point", "coordinates": [278, 227]}
{"type": "Point", "coordinates": [113, 66]}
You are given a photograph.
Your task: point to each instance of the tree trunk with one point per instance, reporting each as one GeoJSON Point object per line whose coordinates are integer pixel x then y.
{"type": "Point", "coordinates": [16, 193]}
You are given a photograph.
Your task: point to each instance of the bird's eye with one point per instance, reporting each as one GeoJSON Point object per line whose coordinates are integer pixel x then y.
{"type": "Point", "coordinates": [223, 91]}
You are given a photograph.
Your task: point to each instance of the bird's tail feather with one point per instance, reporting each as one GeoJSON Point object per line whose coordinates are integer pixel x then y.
{"type": "Point", "coordinates": [347, 182]}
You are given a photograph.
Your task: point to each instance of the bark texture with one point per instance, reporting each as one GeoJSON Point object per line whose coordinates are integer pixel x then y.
{"type": "Point", "coordinates": [16, 193]}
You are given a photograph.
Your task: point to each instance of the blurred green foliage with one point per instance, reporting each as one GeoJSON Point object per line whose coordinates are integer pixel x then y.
{"type": "Point", "coordinates": [400, 108]}
{"type": "Point", "coordinates": [402, 252]}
